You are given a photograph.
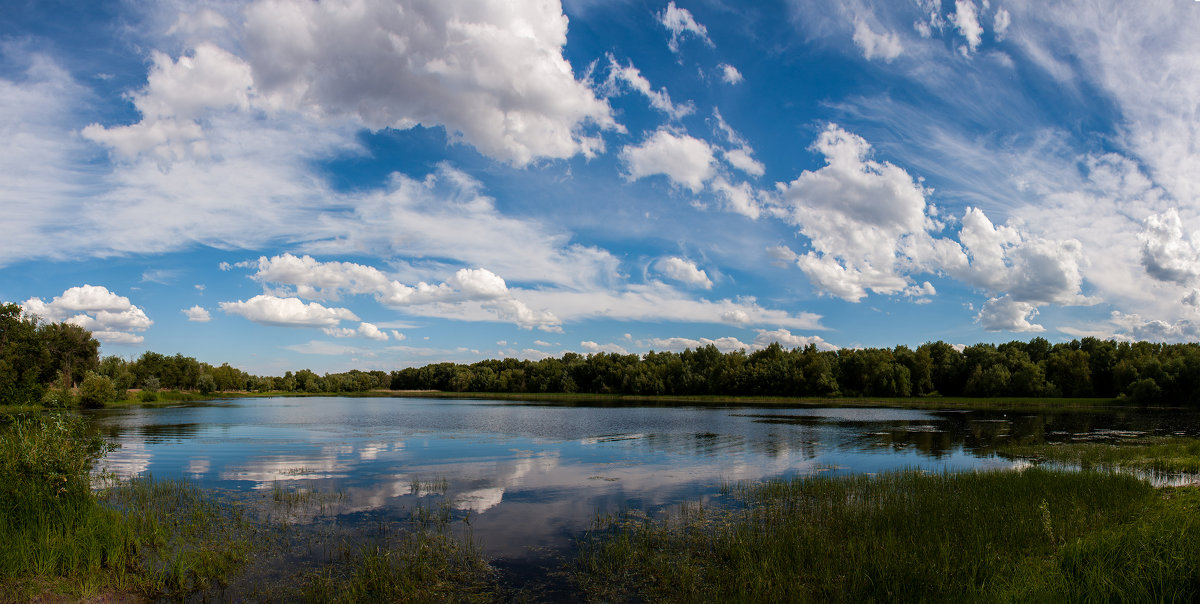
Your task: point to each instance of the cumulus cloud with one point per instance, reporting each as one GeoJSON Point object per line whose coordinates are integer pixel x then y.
{"type": "Point", "coordinates": [492, 74]}
{"type": "Point", "coordinates": [364, 330]}
{"type": "Point", "coordinates": [309, 278]}
{"type": "Point", "coordinates": [786, 339]}
{"type": "Point", "coordinates": [874, 45]}
{"type": "Point", "coordinates": [593, 347]}
{"type": "Point", "coordinates": [1007, 314]}
{"type": "Point", "coordinates": [659, 99]}
{"type": "Point", "coordinates": [110, 317]}
{"type": "Point", "coordinates": [966, 20]}
{"type": "Point", "coordinates": [1031, 269]}
{"type": "Point", "coordinates": [1168, 254]}
{"type": "Point", "coordinates": [681, 23]}
{"type": "Point", "coordinates": [177, 94]}
{"type": "Point", "coordinates": [865, 219]}
{"type": "Point", "coordinates": [683, 271]}
{"type": "Point", "coordinates": [685, 160]}
{"type": "Point", "coordinates": [197, 314]}
{"type": "Point", "coordinates": [730, 74]}
{"type": "Point", "coordinates": [725, 344]}
{"type": "Point", "coordinates": [287, 312]}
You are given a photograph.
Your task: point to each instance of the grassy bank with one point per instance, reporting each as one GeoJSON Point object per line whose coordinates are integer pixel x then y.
{"type": "Point", "coordinates": [1036, 535]}
{"type": "Point", "coordinates": [1155, 454]}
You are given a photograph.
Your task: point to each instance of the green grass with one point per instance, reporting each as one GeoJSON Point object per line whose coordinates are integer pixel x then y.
{"type": "Point", "coordinates": [424, 564]}
{"type": "Point", "coordinates": [1155, 454]}
{"type": "Point", "coordinates": [156, 539]}
{"type": "Point", "coordinates": [1037, 535]}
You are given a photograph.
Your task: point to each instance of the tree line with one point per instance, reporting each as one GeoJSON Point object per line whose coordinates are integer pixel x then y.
{"type": "Point", "coordinates": [1142, 372]}
{"type": "Point", "coordinates": [42, 362]}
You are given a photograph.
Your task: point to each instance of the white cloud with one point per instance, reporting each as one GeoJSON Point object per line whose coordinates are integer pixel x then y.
{"type": "Point", "coordinates": [177, 94]}
{"type": "Point", "coordinates": [287, 312]}
{"type": "Point", "coordinates": [316, 280]}
{"type": "Point", "coordinates": [884, 46]}
{"type": "Point", "coordinates": [111, 318]}
{"type": "Point", "coordinates": [364, 330]}
{"type": "Point", "coordinates": [966, 19]}
{"type": "Point", "coordinates": [1167, 253]}
{"type": "Point", "coordinates": [492, 73]}
{"type": "Point", "coordinates": [197, 313]}
{"type": "Point", "coordinates": [45, 165]}
{"type": "Point", "coordinates": [683, 271]}
{"type": "Point", "coordinates": [1031, 269]}
{"type": "Point", "coordinates": [866, 219]}
{"type": "Point", "coordinates": [742, 159]}
{"type": "Point", "coordinates": [725, 344]}
{"type": "Point", "coordinates": [397, 336]}
{"type": "Point", "coordinates": [680, 22]}
{"type": "Point", "coordinates": [730, 74]}
{"type": "Point", "coordinates": [786, 339]}
{"type": "Point", "coordinates": [657, 301]}
{"type": "Point", "coordinates": [593, 347]}
{"type": "Point", "coordinates": [659, 99]}
{"type": "Point", "coordinates": [686, 161]}
{"type": "Point", "coordinates": [309, 278]}
{"type": "Point", "coordinates": [1134, 327]}
{"type": "Point", "coordinates": [1006, 314]}
{"type": "Point", "coordinates": [740, 198]}
{"type": "Point", "coordinates": [1001, 22]}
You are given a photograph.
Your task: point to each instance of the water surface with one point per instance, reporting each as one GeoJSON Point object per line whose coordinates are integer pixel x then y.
{"type": "Point", "coordinates": [530, 477]}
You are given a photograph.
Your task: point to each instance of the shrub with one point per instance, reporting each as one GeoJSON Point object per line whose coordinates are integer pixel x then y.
{"type": "Point", "coordinates": [148, 396]}
{"type": "Point", "coordinates": [96, 390]}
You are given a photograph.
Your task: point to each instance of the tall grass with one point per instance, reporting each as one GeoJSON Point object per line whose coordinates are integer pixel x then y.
{"type": "Point", "coordinates": [141, 536]}
{"type": "Point", "coordinates": [1000, 536]}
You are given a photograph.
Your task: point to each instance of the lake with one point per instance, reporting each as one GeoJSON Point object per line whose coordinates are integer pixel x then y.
{"type": "Point", "coordinates": [529, 478]}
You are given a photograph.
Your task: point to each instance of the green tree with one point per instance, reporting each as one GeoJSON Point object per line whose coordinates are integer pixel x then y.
{"type": "Point", "coordinates": [23, 357]}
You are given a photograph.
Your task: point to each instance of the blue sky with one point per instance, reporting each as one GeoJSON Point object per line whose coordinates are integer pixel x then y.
{"type": "Point", "coordinates": [375, 184]}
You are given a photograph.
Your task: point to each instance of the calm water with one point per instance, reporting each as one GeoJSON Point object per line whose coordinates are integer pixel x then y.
{"type": "Point", "coordinates": [531, 477]}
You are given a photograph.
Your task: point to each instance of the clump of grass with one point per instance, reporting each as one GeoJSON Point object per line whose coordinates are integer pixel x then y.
{"type": "Point", "coordinates": [185, 539]}
{"type": "Point", "coordinates": [906, 536]}
{"type": "Point", "coordinates": [1156, 454]}
{"type": "Point", "coordinates": [423, 563]}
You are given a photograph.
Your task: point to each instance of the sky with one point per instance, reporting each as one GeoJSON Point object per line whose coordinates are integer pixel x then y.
{"type": "Point", "coordinates": [377, 184]}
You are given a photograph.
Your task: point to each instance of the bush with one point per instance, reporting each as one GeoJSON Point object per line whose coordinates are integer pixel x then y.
{"type": "Point", "coordinates": [45, 464]}
{"type": "Point", "coordinates": [148, 396]}
{"type": "Point", "coordinates": [96, 391]}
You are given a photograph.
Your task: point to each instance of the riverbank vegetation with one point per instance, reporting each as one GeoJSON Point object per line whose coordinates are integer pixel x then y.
{"type": "Point", "coordinates": [1036, 535]}
{"type": "Point", "coordinates": [137, 537]}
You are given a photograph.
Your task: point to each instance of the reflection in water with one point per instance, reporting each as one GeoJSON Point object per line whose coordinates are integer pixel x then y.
{"type": "Point", "coordinates": [533, 476]}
